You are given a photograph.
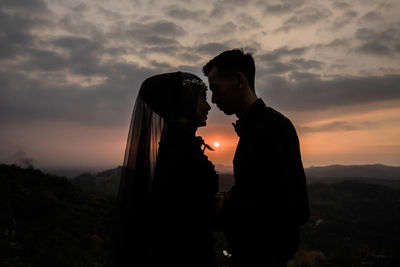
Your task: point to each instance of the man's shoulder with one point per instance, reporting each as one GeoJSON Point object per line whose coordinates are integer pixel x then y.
{"type": "Point", "coordinates": [273, 119]}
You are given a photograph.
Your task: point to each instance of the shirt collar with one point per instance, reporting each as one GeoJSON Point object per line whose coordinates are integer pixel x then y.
{"type": "Point", "coordinates": [248, 117]}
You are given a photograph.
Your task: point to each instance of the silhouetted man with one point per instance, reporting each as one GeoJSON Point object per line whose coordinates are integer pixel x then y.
{"type": "Point", "coordinates": [263, 211]}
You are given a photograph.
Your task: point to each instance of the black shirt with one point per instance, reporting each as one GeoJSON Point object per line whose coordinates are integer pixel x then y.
{"type": "Point", "coordinates": [268, 201]}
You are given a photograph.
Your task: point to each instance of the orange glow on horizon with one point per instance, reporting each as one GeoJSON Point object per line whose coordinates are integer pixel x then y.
{"type": "Point", "coordinates": [226, 139]}
{"type": "Point", "coordinates": [359, 138]}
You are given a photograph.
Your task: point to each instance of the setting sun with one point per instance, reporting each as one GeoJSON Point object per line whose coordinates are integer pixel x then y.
{"type": "Point", "coordinates": [216, 144]}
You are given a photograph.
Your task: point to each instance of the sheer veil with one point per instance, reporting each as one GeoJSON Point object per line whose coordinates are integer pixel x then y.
{"type": "Point", "coordinates": [160, 99]}
{"type": "Point", "coordinates": [141, 150]}
{"type": "Point", "coordinates": [130, 240]}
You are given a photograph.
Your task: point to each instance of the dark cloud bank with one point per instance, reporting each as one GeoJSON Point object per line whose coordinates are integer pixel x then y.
{"type": "Point", "coordinates": [35, 83]}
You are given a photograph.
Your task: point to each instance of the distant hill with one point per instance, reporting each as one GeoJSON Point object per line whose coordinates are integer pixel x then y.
{"type": "Point", "coordinates": [107, 182]}
{"type": "Point", "coordinates": [374, 174]}
{"type": "Point", "coordinates": [224, 169]}
{"type": "Point", "coordinates": [376, 171]}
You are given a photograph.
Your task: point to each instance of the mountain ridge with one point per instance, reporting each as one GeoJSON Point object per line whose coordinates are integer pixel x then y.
{"type": "Point", "coordinates": [360, 171]}
{"type": "Point", "coordinates": [107, 181]}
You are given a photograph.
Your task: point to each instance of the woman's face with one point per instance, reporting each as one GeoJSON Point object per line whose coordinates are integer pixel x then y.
{"type": "Point", "coordinates": [202, 109]}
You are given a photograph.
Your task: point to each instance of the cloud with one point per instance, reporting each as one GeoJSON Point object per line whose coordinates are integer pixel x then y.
{"type": "Point", "coordinates": [371, 17]}
{"type": "Point", "coordinates": [337, 126]}
{"type": "Point", "coordinates": [284, 60]}
{"type": "Point", "coordinates": [284, 6]}
{"type": "Point", "coordinates": [345, 19]}
{"type": "Point", "coordinates": [388, 34]}
{"type": "Point", "coordinates": [217, 11]}
{"type": "Point", "coordinates": [27, 7]}
{"type": "Point", "coordinates": [161, 27]}
{"type": "Point", "coordinates": [44, 60]}
{"type": "Point", "coordinates": [305, 17]}
{"type": "Point", "coordinates": [221, 7]}
{"type": "Point", "coordinates": [337, 42]}
{"type": "Point", "coordinates": [226, 29]}
{"type": "Point", "coordinates": [162, 66]}
{"type": "Point", "coordinates": [374, 48]}
{"type": "Point", "coordinates": [181, 13]}
{"type": "Point", "coordinates": [378, 42]}
{"type": "Point", "coordinates": [108, 103]}
{"type": "Point", "coordinates": [306, 64]}
{"type": "Point", "coordinates": [249, 21]}
{"type": "Point", "coordinates": [166, 48]}
{"type": "Point", "coordinates": [78, 24]}
{"type": "Point", "coordinates": [211, 48]}
{"type": "Point", "coordinates": [15, 33]}
{"type": "Point", "coordinates": [189, 56]}
{"type": "Point", "coordinates": [147, 33]}
{"type": "Point", "coordinates": [303, 76]}
{"type": "Point", "coordinates": [341, 5]}
{"type": "Point", "coordinates": [80, 8]}
{"type": "Point", "coordinates": [84, 54]}
{"type": "Point", "coordinates": [141, 39]}
{"type": "Point", "coordinates": [108, 14]}
{"type": "Point", "coordinates": [159, 40]}
{"type": "Point", "coordinates": [77, 74]}
{"type": "Point", "coordinates": [276, 67]}
{"type": "Point", "coordinates": [307, 92]}
{"type": "Point", "coordinates": [281, 52]}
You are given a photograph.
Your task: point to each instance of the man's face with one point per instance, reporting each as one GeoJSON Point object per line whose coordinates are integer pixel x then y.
{"type": "Point", "coordinates": [225, 91]}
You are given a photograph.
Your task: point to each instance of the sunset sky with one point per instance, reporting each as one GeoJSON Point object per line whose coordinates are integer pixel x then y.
{"type": "Point", "coordinates": [70, 72]}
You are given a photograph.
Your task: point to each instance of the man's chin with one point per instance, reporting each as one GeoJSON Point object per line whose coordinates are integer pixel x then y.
{"type": "Point", "coordinates": [228, 112]}
{"type": "Point", "coordinates": [202, 124]}
{"type": "Point", "coordinates": [225, 111]}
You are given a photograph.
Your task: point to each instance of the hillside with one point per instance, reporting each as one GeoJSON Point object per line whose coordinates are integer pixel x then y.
{"type": "Point", "coordinates": [105, 183]}
{"type": "Point", "coordinates": [47, 221]}
{"type": "Point", "coordinates": [354, 223]}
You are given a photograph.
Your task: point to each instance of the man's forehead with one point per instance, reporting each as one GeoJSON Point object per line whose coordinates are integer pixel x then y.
{"type": "Point", "coordinates": [214, 76]}
{"type": "Point", "coordinates": [213, 71]}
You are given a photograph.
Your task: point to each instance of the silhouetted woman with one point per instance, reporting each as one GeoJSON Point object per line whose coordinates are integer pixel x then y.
{"type": "Point", "coordinates": [166, 202]}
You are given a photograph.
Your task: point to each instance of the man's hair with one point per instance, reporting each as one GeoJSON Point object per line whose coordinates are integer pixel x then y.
{"type": "Point", "coordinates": [232, 61]}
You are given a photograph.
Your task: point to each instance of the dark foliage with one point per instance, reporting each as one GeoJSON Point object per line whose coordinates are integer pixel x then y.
{"type": "Point", "coordinates": [354, 224]}
{"type": "Point", "coordinates": [104, 183]}
{"type": "Point", "coordinates": [47, 221]}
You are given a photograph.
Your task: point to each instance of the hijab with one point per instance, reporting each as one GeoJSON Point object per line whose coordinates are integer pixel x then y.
{"type": "Point", "coordinates": [163, 101]}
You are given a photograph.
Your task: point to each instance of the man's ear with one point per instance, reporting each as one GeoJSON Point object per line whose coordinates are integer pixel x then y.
{"type": "Point", "coordinates": [241, 79]}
